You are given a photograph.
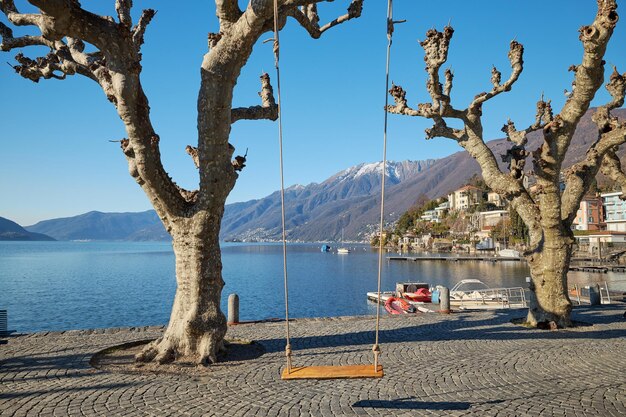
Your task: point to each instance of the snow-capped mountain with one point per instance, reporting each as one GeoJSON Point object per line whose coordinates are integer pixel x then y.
{"type": "Point", "coordinates": [318, 211]}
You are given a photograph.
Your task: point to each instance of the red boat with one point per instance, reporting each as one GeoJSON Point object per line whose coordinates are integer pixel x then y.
{"type": "Point", "coordinates": [396, 305]}
{"type": "Point", "coordinates": [422, 294]}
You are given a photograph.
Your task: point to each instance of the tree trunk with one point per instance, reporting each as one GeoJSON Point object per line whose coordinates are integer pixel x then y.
{"type": "Point", "coordinates": [549, 300]}
{"type": "Point", "coordinates": [197, 325]}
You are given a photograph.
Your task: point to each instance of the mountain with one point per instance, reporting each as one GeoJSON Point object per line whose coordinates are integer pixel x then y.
{"type": "Point", "coordinates": [95, 225]}
{"type": "Point", "coordinates": [348, 201]}
{"type": "Point", "coordinates": [9, 230]}
{"type": "Point", "coordinates": [316, 212]}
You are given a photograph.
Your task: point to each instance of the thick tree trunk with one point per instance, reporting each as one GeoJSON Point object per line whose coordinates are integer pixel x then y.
{"type": "Point", "coordinates": [197, 326]}
{"type": "Point", "coordinates": [549, 300]}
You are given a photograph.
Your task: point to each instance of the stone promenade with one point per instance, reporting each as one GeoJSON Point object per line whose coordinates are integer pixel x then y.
{"type": "Point", "coordinates": [461, 364]}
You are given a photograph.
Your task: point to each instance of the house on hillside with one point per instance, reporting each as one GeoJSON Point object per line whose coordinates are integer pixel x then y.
{"type": "Point", "coordinates": [435, 215]}
{"type": "Point", "coordinates": [495, 199]}
{"type": "Point", "coordinates": [488, 219]}
{"type": "Point", "coordinates": [442, 209]}
{"type": "Point", "coordinates": [430, 216]}
{"type": "Point", "coordinates": [465, 197]}
{"type": "Point", "coordinates": [410, 239]}
{"type": "Point", "coordinates": [590, 214]}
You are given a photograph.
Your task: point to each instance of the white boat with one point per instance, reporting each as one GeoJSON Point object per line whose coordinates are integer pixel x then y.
{"type": "Point", "coordinates": [473, 293]}
{"type": "Point", "coordinates": [509, 253]}
{"type": "Point", "coordinates": [341, 249]}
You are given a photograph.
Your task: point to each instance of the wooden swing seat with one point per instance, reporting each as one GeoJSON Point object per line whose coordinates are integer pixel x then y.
{"type": "Point", "coordinates": [333, 372]}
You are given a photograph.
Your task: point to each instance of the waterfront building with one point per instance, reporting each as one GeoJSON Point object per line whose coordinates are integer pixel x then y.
{"type": "Point", "coordinates": [488, 219]}
{"type": "Point", "coordinates": [614, 211]}
{"type": "Point", "coordinates": [590, 215]}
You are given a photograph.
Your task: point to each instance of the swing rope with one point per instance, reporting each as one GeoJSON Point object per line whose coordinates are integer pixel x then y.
{"type": "Point", "coordinates": [276, 49]}
{"type": "Point", "coordinates": [390, 23]}
{"type": "Point", "coordinates": [375, 347]}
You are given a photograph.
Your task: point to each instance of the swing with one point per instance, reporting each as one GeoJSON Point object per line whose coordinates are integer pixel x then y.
{"type": "Point", "coordinates": [344, 371]}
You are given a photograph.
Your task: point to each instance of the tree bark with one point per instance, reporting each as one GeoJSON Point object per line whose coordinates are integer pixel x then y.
{"type": "Point", "coordinates": [549, 299]}
{"type": "Point", "coordinates": [197, 325]}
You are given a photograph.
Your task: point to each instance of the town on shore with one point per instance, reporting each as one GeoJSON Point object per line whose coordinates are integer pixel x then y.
{"type": "Point", "coordinates": [474, 219]}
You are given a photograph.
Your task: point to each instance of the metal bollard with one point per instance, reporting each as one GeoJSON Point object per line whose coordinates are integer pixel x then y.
{"type": "Point", "coordinates": [233, 309]}
{"type": "Point", "coordinates": [594, 295]}
{"type": "Point", "coordinates": [444, 300]}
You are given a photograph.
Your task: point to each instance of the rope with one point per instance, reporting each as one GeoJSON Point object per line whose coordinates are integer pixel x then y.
{"type": "Point", "coordinates": [282, 185]}
{"type": "Point", "coordinates": [390, 22]}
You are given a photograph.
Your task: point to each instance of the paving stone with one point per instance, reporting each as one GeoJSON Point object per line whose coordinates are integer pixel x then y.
{"type": "Point", "coordinates": [463, 364]}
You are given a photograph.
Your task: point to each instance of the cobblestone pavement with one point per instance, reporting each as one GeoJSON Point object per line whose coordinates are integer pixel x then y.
{"type": "Point", "coordinates": [461, 364]}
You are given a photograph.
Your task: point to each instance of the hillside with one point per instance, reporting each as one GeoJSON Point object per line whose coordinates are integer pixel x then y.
{"type": "Point", "coordinates": [359, 214]}
{"type": "Point", "coordinates": [316, 212]}
{"type": "Point", "coordinates": [9, 230]}
{"type": "Point", "coordinates": [95, 225]}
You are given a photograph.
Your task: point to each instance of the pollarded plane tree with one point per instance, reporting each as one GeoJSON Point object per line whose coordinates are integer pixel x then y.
{"type": "Point", "coordinates": [546, 210]}
{"type": "Point", "coordinates": [197, 326]}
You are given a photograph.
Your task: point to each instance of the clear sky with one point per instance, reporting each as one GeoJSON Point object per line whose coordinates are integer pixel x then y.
{"type": "Point", "coordinates": [56, 159]}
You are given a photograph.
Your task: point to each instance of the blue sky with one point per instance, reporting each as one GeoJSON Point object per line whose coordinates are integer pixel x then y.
{"type": "Point", "coordinates": [56, 159]}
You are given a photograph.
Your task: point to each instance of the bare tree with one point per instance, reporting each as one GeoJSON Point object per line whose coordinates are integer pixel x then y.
{"type": "Point", "coordinates": [548, 212]}
{"type": "Point", "coordinates": [197, 326]}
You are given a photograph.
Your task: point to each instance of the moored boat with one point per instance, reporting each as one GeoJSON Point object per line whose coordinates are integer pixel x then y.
{"type": "Point", "coordinates": [422, 295]}
{"type": "Point", "coordinates": [395, 305]}
{"type": "Point", "coordinates": [342, 249]}
{"type": "Point", "coordinates": [509, 253]}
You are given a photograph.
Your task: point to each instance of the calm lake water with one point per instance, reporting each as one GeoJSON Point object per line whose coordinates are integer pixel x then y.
{"type": "Point", "coordinates": [80, 285]}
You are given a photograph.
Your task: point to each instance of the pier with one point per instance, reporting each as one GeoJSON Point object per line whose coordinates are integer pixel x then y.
{"type": "Point", "coordinates": [598, 268]}
{"type": "Point", "coordinates": [453, 258]}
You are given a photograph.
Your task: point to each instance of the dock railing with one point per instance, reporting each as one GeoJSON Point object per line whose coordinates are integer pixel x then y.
{"type": "Point", "coordinates": [610, 291]}
{"type": "Point", "coordinates": [513, 297]}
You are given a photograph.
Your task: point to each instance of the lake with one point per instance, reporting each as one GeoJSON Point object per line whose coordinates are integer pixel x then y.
{"type": "Point", "coordinates": [80, 285]}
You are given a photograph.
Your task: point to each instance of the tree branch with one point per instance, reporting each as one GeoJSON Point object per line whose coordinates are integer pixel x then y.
{"type": "Point", "coordinates": [62, 18]}
{"type": "Point", "coordinates": [516, 54]}
{"type": "Point", "coordinates": [436, 54]}
{"type": "Point", "coordinates": [193, 152]}
{"type": "Point", "coordinates": [617, 88]}
{"type": "Point", "coordinates": [401, 106]}
{"type": "Point", "coordinates": [612, 168]}
{"type": "Point", "coordinates": [439, 128]}
{"type": "Point", "coordinates": [578, 178]}
{"type": "Point", "coordinates": [8, 42]}
{"type": "Point", "coordinates": [543, 117]}
{"type": "Point", "coordinates": [140, 29]}
{"type": "Point", "coordinates": [601, 154]}
{"type": "Point", "coordinates": [267, 110]}
{"type": "Point", "coordinates": [18, 19]}
{"type": "Point", "coordinates": [309, 19]}
{"type": "Point", "coordinates": [123, 7]}
{"type": "Point", "coordinates": [227, 12]}
{"type": "Point", "coordinates": [588, 76]}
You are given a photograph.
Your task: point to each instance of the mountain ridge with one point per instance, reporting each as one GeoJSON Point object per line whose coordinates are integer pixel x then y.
{"type": "Point", "coordinates": [347, 201]}
{"type": "Point", "coordinates": [96, 225]}
{"type": "Point", "coordinates": [11, 231]}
